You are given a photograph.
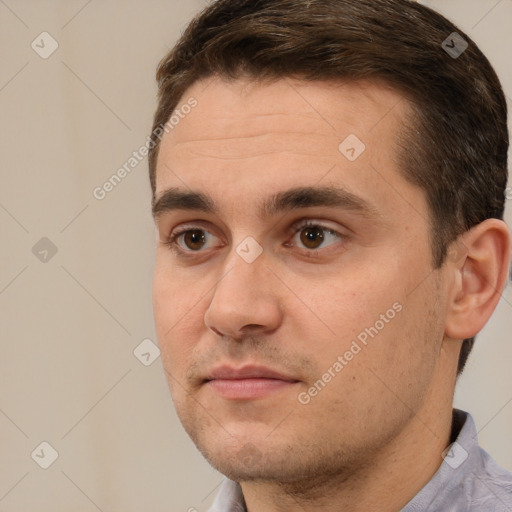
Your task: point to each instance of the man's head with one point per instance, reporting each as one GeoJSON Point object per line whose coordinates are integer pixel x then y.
{"type": "Point", "coordinates": [456, 148]}
{"type": "Point", "coordinates": [337, 181]}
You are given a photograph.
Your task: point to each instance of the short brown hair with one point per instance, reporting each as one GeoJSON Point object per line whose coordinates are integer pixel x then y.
{"type": "Point", "coordinates": [456, 147]}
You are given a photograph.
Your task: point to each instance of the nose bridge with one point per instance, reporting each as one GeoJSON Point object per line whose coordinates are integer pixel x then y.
{"type": "Point", "coordinates": [244, 265]}
{"type": "Point", "coordinates": [244, 294]}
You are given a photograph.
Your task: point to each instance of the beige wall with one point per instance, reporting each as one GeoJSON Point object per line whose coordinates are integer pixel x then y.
{"type": "Point", "coordinates": [70, 324]}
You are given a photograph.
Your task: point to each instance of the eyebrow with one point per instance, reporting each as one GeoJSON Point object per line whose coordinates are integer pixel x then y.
{"type": "Point", "coordinates": [285, 201]}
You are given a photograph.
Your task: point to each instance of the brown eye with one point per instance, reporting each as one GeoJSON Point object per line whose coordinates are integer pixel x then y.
{"type": "Point", "coordinates": [312, 237]}
{"type": "Point", "coordinates": [194, 239]}
{"type": "Point", "coordinates": [189, 240]}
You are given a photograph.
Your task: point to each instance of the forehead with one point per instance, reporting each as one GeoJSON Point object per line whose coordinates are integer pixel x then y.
{"type": "Point", "coordinates": [248, 139]}
{"type": "Point", "coordinates": [321, 107]}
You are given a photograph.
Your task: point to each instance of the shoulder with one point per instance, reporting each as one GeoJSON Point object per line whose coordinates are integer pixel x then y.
{"type": "Point", "coordinates": [476, 481]}
{"type": "Point", "coordinates": [468, 480]}
{"type": "Point", "coordinates": [489, 487]}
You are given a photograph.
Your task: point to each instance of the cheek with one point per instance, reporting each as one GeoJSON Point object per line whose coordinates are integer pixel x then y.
{"type": "Point", "coordinates": [173, 297]}
{"type": "Point", "coordinates": [172, 310]}
{"type": "Point", "coordinates": [368, 315]}
{"type": "Point", "coordinates": [346, 303]}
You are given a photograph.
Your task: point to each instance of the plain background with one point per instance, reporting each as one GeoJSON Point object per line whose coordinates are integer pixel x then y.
{"type": "Point", "coordinates": [70, 325]}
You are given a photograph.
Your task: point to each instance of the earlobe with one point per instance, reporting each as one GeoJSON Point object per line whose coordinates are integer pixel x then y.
{"type": "Point", "coordinates": [480, 272]}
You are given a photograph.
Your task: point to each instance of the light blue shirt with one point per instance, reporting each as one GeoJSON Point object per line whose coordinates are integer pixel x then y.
{"type": "Point", "coordinates": [468, 480]}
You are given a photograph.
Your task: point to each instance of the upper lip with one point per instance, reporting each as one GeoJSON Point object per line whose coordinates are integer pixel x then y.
{"type": "Point", "coordinates": [246, 372]}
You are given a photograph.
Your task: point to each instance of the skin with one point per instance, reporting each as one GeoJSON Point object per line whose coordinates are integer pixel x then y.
{"type": "Point", "coordinates": [374, 435]}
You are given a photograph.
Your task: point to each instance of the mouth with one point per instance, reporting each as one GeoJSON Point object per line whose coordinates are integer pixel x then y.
{"type": "Point", "coordinates": [247, 382]}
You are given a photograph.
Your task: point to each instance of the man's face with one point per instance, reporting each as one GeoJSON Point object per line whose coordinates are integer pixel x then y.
{"type": "Point", "coordinates": [336, 301]}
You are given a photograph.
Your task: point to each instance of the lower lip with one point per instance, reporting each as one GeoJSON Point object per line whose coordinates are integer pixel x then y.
{"type": "Point", "coordinates": [243, 389]}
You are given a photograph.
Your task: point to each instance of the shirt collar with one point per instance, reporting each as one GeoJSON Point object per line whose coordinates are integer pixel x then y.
{"type": "Point", "coordinates": [460, 459]}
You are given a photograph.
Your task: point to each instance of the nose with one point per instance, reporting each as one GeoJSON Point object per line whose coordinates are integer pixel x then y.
{"type": "Point", "coordinates": [245, 299]}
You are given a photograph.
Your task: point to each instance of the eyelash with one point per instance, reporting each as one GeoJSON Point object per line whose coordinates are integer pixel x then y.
{"type": "Point", "coordinates": [293, 230]}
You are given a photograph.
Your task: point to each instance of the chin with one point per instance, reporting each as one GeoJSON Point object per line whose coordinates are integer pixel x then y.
{"type": "Point", "coordinates": [246, 464]}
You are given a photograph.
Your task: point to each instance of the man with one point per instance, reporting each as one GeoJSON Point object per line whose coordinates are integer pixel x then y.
{"type": "Point", "coordinates": [328, 187]}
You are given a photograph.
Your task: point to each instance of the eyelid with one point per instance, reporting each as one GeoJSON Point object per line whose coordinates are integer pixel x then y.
{"type": "Point", "coordinates": [176, 233]}
{"type": "Point", "coordinates": [295, 228]}
{"type": "Point", "coordinates": [303, 223]}
{"type": "Point", "coordinates": [311, 221]}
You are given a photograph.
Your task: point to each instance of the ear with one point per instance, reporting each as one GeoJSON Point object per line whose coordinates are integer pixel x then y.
{"type": "Point", "coordinates": [479, 261]}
